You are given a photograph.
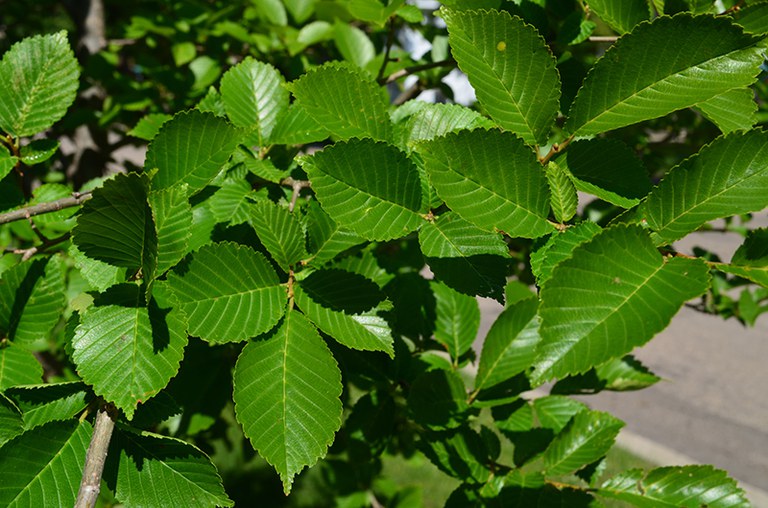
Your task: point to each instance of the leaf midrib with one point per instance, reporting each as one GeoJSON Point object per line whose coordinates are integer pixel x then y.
{"type": "Point", "coordinates": [609, 315]}
{"type": "Point", "coordinates": [663, 80]}
{"type": "Point", "coordinates": [515, 103]}
{"type": "Point", "coordinates": [711, 197]}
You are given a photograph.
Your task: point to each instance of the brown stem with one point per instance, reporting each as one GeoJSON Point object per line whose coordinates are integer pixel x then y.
{"type": "Point", "coordinates": [96, 457]}
{"type": "Point", "coordinates": [449, 62]}
{"type": "Point", "coordinates": [296, 185]}
{"type": "Point", "coordinates": [554, 150]}
{"type": "Point", "coordinates": [387, 49]}
{"type": "Point", "coordinates": [408, 94]}
{"type": "Point", "coordinates": [603, 38]}
{"type": "Point", "coordinates": [76, 199]}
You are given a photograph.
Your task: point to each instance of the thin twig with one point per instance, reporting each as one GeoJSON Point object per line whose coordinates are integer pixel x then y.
{"type": "Point", "coordinates": [96, 457]}
{"type": "Point", "coordinates": [387, 49]}
{"type": "Point", "coordinates": [603, 38]}
{"type": "Point", "coordinates": [31, 251]}
{"type": "Point", "coordinates": [296, 185]}
{"type": "Point", "coordinates": [554, 150]}
{"type": "Point", "coordinates": [407, 71]}
{"type": "Point", "coordinates": [408, 94]}
{"type": "Point", "coordinates": [76, 199]}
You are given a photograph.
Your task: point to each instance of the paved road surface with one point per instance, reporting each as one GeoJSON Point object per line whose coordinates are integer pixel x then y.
{"type": "Point", "coordinates": [712, 404]}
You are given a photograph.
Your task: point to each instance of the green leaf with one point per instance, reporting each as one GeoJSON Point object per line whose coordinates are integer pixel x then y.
{"type": "Point", "coordinates": [325, 239]}
{"type": "Point", "coordinates": [146, 469]}
{"type": "Point", "coordinates": [254, 97]}
{"type": "Point", "coordinates": [183, 53]}
{"type": "Point", "coordinates": [173, 220]}
{"type": "Point", "coordinates": [229, 293]}
{"type": "Point", "coordinates": [614, 293]}
{"type": "Point", "coordinates": [435, 120]}
{"type": "Point", "coordinates": [751, 258]}
{"type": "Point", "coordinates": [593, 167]}
{"type": "Point", "coordinates": [128, 354]}
{"type": "Point", "coordinates": [727, 177]}
{"type": "Point", "coordinates": [438, 400]}
{"type": "Point", "coordinates": [280, 232]}
{"type": "Point", "coordinates": [457, 319]}
{"type": "Point", "coordinates": [263, 168]}
{"type": "Point", "coordinates": [287, 388]}
{"type": "Point", "coordinates": [353, 44]}
{"type": "Point", "coordinates": [272, 11]}
{"type": "Point", "coordinates": [32, 299]}
{"type": "Point", "coordinates": [464, 169]}
{"type": "Point", "coordinates": [232, 203]}
{"type": "Point", "coordinates": [345, 101]}
{"type": "Point", "coordinates": [555, 411]}
{"type": "Point", "coordinates": [529, 493]}
{"type": "Point", "coordinates": [38, 151]}
{"type": "Point", "coordinates": [116, 225]}
{"type": "Point", "coordinates": [733, 110]}
{"type": "Point", "coordinates": [297, 127]}
{"type": "Point", "coordinates": [753, 17]}
{"type": "Point", "coordinates": [149, 126]}
{"type": "Point", "coordinates": [619, 374]}
{"type": "Point", "coordinates": [43, 403]}
{"type": "Point", "coordinates": [576, 28]}
{"type": "Point", "coordinates": [450, 236]}
{"type": "Point", "coordinates": [673, 487]}
{"type": "Point", "coordinates": [588, 437]}
{"type": "Point", "coordinates": [345, 306]}
{"type": "Point", "coordinates": [11, 422]}
{"type": "Point", "coordinates": [190, 148]}
{"type": "Point", "coordinates": [510, 67]}
{"type": "Point", "coordinates": [18, 367]}
{"type": "Point", "coordinates": [7, 162]}
{"type": "Point", "coordinates": [300, 9]}
{"type": "Point", "coordinates": [510, 346]}
{"type": "Point", "coordinates": [41, 79]}
{"type": "Point", "coordinates": [563, 197]}
{"type": "Point", "coordinates": [211, 103]}
{"type": "Point", "coordinates": [621, 15]}
{"type": "Point", "coordinates": [461, 454]}
{"type": "Point", "coordinates": [465, 257]}
{"type": "Point", "coordinates": [98, 274]}
{"type": "Point", "coordinates": [559, 247]}
{"type": "Point", "coordinates": [382, 202]}
{"type": "Point", "coordinates": [710, 56]}
{"type": "Point", "coordinates": [39, 465]}
{"type": "Point", "coordinates": [51, 192]}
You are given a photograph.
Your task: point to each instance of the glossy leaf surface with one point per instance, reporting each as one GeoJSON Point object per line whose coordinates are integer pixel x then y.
{"type": "Point", "coordinates": [729, 176]}
{"type": "Point", "coordinates": [229, 293]}
{"type": "Point", "coordinates": [191, 148]}
{"type": "Point", "coordinates": [643, 77]}
{"type": "Point", "coordinates": [510, 67]}
{"type": "Point", "coordinates": [490, 178]}
{"type": "Point", "coordinates": [41, 79]}
{"type": "Point", "coordinates": [146, 469]}
{"type": "Point", "coordinates": [344, 101]}
{"type": "Point", "coordinates": [614, 293]}
{"type": "Point", "coordinates": [38, 466]}
{"type": "Point", "coordinates": [371, 188]}
{"type": "Point", "coordinates": [254, 97]}
{"type": "Point", "coordinates": [287, 388]}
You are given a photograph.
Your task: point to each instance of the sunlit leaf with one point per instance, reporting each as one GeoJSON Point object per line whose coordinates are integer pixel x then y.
{"type": "Point", "coordinates": [287, 388]}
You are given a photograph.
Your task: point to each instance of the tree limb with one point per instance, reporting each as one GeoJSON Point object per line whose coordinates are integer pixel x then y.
{"type": "Point", "coordinates": [95, 458]}
{"type": "Point", "coordinates": [76, 199]}
{"type": "Point", "coordinates": [449, 62]}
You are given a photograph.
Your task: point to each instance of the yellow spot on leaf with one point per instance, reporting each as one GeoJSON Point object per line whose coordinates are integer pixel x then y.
{"type": "Point", "coordinates": [501, 46]}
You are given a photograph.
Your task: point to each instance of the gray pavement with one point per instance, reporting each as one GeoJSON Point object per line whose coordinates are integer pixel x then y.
{"type": "Point", "coordinates": [712, 405]}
